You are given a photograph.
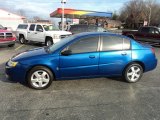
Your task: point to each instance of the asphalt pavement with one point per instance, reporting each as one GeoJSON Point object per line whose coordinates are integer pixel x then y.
{"type": "Point", "coordinates": [85, 99]}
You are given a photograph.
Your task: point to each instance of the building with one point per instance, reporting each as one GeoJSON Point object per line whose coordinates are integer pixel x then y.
{"type": "Point", "coordinates": [10, 20]}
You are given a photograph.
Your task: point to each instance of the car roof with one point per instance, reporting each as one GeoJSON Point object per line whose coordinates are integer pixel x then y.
{"type": "Point", "coordinates": [96, 33]}
{"type": "Point", "coordinates": [149, 27]}
{"type": "Point", "coordinates": [34, 23]}
{"type": "Point", "coordinates": [82, 25]}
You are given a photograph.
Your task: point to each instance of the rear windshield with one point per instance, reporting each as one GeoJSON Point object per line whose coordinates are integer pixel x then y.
{"type": "Point", "coordinates": [22, 26]}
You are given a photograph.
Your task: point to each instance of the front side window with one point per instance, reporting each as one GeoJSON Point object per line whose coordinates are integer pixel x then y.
{"type": "Point", "coordinates": [111, 43]}
{"type": "Point", "coordinates": [156, 31]}
{"type": "Point", "coordinates": [32, 27]}
{"type": "Point", "coordinates": [151, 30]}
{"type": "Point", "coordinates": [84, 45]}
{"type": "Point", "coordinates": [39, 28]}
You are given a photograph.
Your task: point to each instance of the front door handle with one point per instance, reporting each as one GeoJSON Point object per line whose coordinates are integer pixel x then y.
{"type": "Point", "coordinates": [35, 33]}
{"type": "Point", "coordinates": [123, 53]}
{"type": "Point", "coordinates": [91, 56]}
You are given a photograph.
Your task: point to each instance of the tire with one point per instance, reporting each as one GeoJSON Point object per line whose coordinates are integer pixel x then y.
{"type": "Point", "coordinates": [49, 42]}
{"type": "Point", "coordinates": [133, 73]}
{"type": "Point", "coordinates": [11, 45]}
{"type": "Point", "coordinates": [22, 39]}
{"type": "Point", "coordinates": [36, 80]}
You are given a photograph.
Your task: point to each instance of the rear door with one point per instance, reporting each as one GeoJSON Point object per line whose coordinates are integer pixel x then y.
{"type": "Point", "coordinates": [115, 54]}
{"type": "Point", "coordinates": [31, 32]}
{"type": "Point", "coordinates": [142, 34]}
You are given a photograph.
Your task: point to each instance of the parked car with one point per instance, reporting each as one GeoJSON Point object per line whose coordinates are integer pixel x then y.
{"type": "Point", "coordinates": [146, 34]}
{"type": "Point", "coordinates": [6, 37]}
{"type": "Point", "coordinates": [74, 29]}
{"type": "Point", "coordinates": [82, 56]}
{"type": "Point", "coordinates": [43, 33]}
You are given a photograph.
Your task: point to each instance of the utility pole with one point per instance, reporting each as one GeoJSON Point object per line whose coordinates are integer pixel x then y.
{"type": "Point", "coordinates": [62, 21]}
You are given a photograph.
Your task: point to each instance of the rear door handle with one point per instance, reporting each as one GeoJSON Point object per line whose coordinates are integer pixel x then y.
{"type": "Point", "coordinates": [123, 53]}
{"type": "Point", "coordinates": [28, 32]}
{"type": "Point", "coordinates": [91, 56]}
{"type": "Point", "coordinates": [35, 33]}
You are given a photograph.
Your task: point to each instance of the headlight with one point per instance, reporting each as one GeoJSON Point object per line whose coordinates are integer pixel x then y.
{"type": "Point", "coordinates": [11, 63]}
{"type": "Point", "coordinates": [56, 36]}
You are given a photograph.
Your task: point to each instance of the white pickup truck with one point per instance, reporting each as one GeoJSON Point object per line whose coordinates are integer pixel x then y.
{"type": "Point", "coordinates": [43, 33]}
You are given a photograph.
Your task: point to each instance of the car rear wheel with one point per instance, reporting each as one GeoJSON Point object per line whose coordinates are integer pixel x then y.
{"type": "Point", "coordinates": [11, 45]}
{"type": "Point", "coordinates": [133, 73]}
{"type": "Point", "coordinates": [22, 39]}
{"type": "Point", "coordinates": [49, 42]}
{"type": "Point", "coordinates": [40, 78]}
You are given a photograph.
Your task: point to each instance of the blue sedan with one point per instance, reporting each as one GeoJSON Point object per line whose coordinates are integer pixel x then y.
{"type": "Point", "coordinates": [80, 56]}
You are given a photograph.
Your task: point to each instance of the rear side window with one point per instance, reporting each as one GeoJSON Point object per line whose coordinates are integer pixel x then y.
{"type": "Point", "coordinates": [32, 27]}
{"type": "Point", "coordinates": [145, 29]}
{"type": "Point", "coordinates": [111, 43]}
{"type": "Point", "coordinates": [126, 44]}
{"type": "Point", "coordinates": [84, 45]}
{"type": "Point", "coordinates": [22, 26]}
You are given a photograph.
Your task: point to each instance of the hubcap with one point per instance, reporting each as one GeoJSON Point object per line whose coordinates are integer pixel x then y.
{"type": "Point", "coordinates": [49, 43]}
{"type": "Point", "coordinates": [22, 40]}
{"type": "Point", "coordinates": [40, 79]}
{"type": "Point", "coordinates": [134, 73]}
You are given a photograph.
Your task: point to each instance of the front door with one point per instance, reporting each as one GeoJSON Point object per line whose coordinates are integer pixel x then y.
{"type": "Point", "coordinates": [115, 54]}
{"type": "Point", "coordinates": [83, 60]}
{"type": "Point", "coordinates": [39, 35]}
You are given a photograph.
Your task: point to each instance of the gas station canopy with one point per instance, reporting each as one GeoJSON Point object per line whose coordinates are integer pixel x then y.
{"type": "Point", "coordinates": [73, 13]}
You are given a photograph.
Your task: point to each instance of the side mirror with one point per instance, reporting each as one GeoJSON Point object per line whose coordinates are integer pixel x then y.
{"type": "Point", "coordinates": [66, 52]}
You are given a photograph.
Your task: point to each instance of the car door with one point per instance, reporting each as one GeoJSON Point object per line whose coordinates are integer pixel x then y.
{"type": "Point", "coordinates": [39, 35]}
{"type": "Point", "coordinates": [31, 32]}
{"type": "Point", "coordinates": [142, 34]}
{"type": "Point", "coordinates": [115, 54]}
{"type": "Point", "coordinates": [83, 60]}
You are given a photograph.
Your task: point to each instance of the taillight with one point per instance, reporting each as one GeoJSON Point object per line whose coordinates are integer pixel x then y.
{"type": "Point", "coordinates": [153, 50]}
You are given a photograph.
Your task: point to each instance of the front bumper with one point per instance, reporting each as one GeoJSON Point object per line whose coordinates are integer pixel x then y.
{"type": "Point", "coordinates": [17, 73]}
{"type": "Point", "coordinates": [7, 42]}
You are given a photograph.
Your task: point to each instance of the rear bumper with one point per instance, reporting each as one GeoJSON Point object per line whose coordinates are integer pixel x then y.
{"type": "Point", "coordinates": [151, 66]}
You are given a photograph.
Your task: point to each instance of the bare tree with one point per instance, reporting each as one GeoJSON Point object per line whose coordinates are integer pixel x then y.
{"type": "Point", "coordinates": [135, 12]}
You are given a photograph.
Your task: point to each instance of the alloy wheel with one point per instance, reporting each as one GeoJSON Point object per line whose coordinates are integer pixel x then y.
{"type": "Point", "coordinates": [40, 79]}
{"type": "Point", "coordinates": [134, 73]}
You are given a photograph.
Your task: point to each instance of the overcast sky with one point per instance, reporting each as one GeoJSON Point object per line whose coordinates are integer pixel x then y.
{"type": "Point", "coordinates": [43, 8]}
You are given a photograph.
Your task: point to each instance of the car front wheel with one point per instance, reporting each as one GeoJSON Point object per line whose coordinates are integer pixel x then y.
{"type": "Point", "coordinates": [133, 73]}
{"type": "Point", "coordinates": [22, 39]}
{"type": "Point", "coordinates": [40, 78]}
{"type": "Point", "coordinates": [49, 42]}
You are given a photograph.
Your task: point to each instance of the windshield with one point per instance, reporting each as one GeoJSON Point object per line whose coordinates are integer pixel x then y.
{"type": "Point", "coordinates": [50, 28]}
{"type": "Point", "coordinates": [61, 43]}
